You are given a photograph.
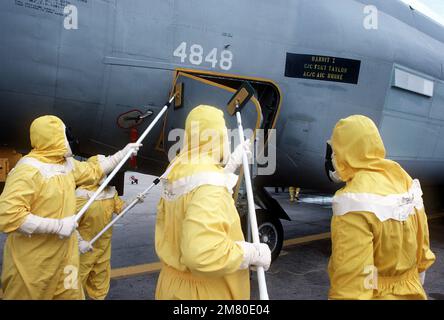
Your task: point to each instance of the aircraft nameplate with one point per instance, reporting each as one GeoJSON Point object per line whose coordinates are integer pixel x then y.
{"type": "Point", "coordinates": [324, 68]}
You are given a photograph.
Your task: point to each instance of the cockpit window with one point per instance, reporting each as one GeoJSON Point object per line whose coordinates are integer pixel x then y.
{"type": "Point", "coordinates": [434, 9]}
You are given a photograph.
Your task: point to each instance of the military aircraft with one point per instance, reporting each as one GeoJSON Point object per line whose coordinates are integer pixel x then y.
{"type": "Point", "coordinates": [106, 66]}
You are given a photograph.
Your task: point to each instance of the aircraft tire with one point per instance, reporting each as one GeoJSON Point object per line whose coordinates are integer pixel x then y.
{"type": "Point", "coordinates": [270, 231]}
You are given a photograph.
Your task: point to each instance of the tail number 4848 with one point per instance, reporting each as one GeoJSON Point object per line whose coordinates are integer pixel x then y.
{"type": "Point", "coordinates": [195, 55]}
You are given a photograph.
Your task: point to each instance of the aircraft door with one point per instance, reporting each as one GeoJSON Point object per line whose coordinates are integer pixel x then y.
{"type": "Point", "coordinates": [195, 90]}
{"type": "Point", "coordinates": [198, 91]}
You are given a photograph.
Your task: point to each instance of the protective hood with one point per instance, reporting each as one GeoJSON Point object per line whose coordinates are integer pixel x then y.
{"type": "Point", "coordinates": [359, 155]}
{"type": "Point", "coordinates": [206, 143]}
{"type": "Point", "coordinates": [48, 140]}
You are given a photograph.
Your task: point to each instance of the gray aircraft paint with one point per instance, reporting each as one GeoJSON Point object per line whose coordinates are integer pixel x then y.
{"type": "Point", "coordinates": [121, 58]}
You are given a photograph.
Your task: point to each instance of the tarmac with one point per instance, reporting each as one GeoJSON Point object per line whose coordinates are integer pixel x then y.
{"type": "Point", "coordinates": [300, 272]}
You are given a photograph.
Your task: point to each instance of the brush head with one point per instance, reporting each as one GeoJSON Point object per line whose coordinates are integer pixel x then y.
{"type": "Point", "coordinates": [240, 98]}
{"type": "Point", "coordinates": [178, 95]}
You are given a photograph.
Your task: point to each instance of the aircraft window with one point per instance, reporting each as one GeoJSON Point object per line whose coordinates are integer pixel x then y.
{"type": "Point", "coordinates": [412, 82]}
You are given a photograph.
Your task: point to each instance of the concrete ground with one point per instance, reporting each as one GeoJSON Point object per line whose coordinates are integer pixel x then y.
{"type": "Point", "coordinates": [299, 272]}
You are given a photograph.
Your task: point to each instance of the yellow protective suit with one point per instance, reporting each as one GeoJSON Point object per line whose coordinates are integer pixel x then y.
{"type": "Point", "coordinates": [380, 238]}
{"type": "Point", "coordinates": [294, 193]}
{"type": "Point", "coordinates": [42, 266]}
{"type": "Point", "coordinates": [95, 266]}
{"type": "Point", "coordinates": [197, 222]}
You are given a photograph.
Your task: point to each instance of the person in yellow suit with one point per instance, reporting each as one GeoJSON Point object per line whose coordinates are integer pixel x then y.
{"type": "Point", "coordinates": [294, 193]}
{"type": "Point", "coordinates": [198, 237]}
{"type": "Point", "coordinates": [380, 237]}
{"type": "Point", "coordinates": [95, 263]}
{"type": "Point", "coordinates": [37, 211]}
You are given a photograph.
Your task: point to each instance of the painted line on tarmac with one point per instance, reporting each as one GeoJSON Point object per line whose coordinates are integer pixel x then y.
{"type": "Point", "coordinates": [149, 268]}
{"type": "Point", "coordinates": [155, 267]}
{"type": "Point", "coordinates": [327, 235]}
{"type": "Point", "coordinates": [142, 269]}
{"type": "Point", "coordinates": [307, 239]}
{"type": "Point", "coordinates": [135, 270]}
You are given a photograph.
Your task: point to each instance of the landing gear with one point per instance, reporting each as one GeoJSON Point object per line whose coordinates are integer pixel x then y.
{"type": "Point", "coordinates": [271, 231]}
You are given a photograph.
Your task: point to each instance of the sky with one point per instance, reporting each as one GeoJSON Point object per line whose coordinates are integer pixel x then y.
{"type": "Point", "coordinates": [432, 8]}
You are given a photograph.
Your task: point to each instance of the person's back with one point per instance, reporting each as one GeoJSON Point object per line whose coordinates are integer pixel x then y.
{"type": "Point", "coordinates": [198, 227]}
{"type": "Point", "coordinates": [95, 265]}
{"type": "Point", "coordinates": [38, 212]}
{"type": "Point", "coordinates": [36, 262]}
{"type": "Point", "coordinates": [191, 233]}
{"type": "Point", "coordinates": [380, 241]}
